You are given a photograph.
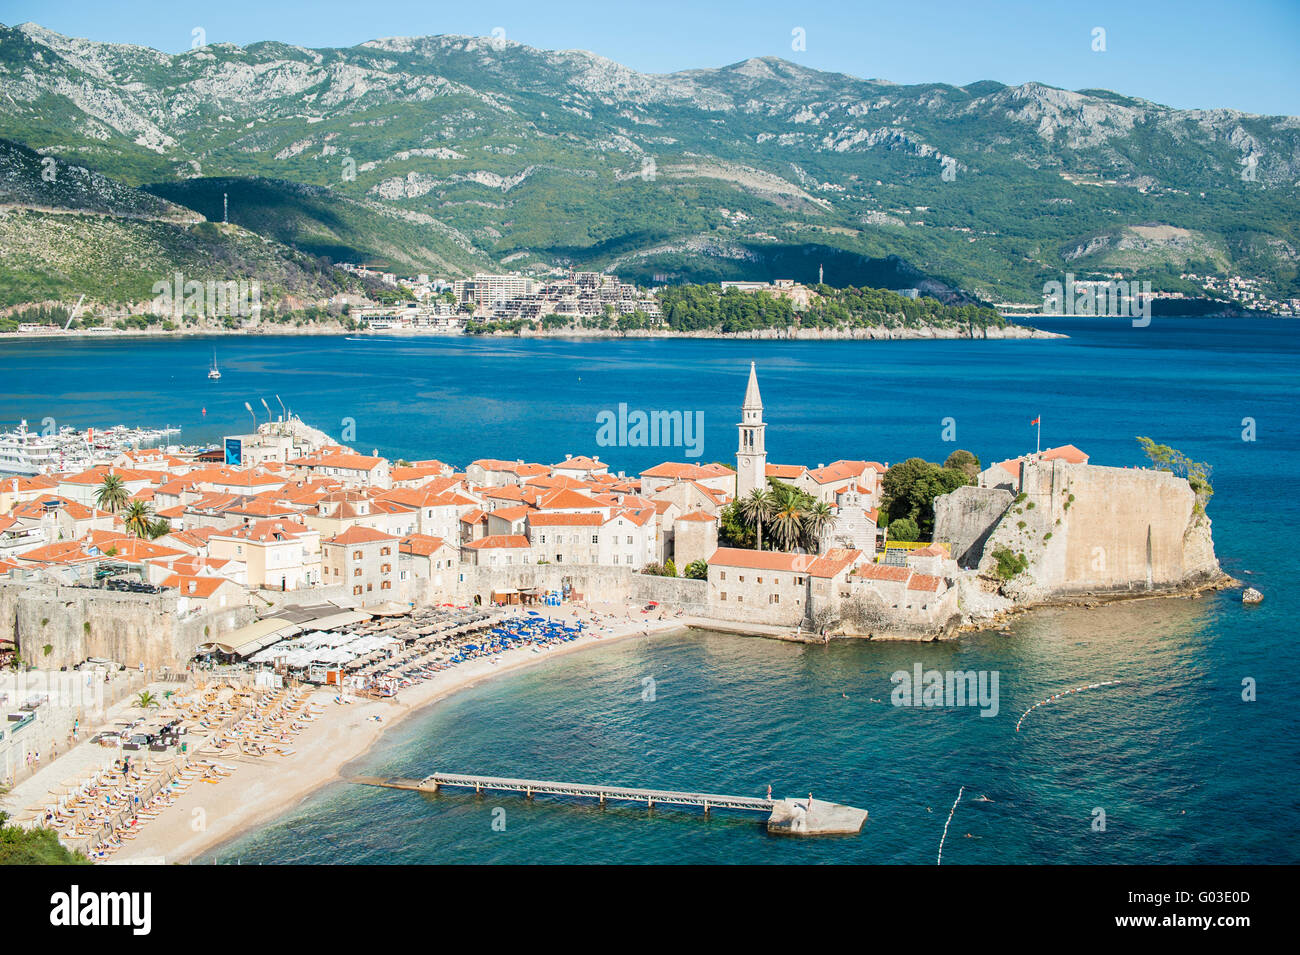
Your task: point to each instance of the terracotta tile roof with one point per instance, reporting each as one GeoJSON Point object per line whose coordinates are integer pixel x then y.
{"type": "Point", "coordinates": [679, 470]}
{"type": "Point", "coordinates": [513, 513]}
{"type": "Point", "coordinates": [838, 471]}
{"type": "Point", "coordinates": [759, 559]}
{"type": "Point", "coordinates": [499, 541]}
{"type": "Point", "coordinates": [190, 586]}
{"type": "Point", "coordinates": [61, 552]}
{"type": "Point", "coordinates": [562, 519]}
{"type": "Point", "coordinates": [473, 517]}
{"type": "Point", "coordinates": [924, 582]}
{"type": "Point", "coordinates": [833, 562]}
{"type": "Point", "coordinates": [934, 550]}
{"type": "Point", "coordinates": [421, 545]}
{"type": "Point", "coordinates": [270, 530]}
{"type": "Point", "coordinates": [638, 515]}
{"type": "Point", "coordinates": [699, 516]}
{"type": "Point", "coordinates": [883, 572]}
{"type": "Point", "coordinates": [97, 475]}
{"type": "Point", "coordinates": [580, 463]}
{"type": "Point", "coordinates": [1066, 452]}
{"type": "Point", "coordinates": [787, 472]}
{"type": "Point", "coordinates": [564, 498]}
{"type": "Point", "coordinates": [360, 535]}
{"type": "Point", "coordinates": [338, 459]}
{"type": "Point", "coordinates": [520, 468]}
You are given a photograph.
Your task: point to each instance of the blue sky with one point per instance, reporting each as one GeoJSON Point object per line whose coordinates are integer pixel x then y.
{"type": "Point", "coordinates": [1194, 53]}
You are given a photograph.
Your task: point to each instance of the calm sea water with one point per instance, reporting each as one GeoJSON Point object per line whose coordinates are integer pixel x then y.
{"type": "Point", "coordinates": [1184, 770]}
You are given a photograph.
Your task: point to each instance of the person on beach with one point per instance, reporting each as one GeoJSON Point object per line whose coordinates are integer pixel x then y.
{"type": "Point", "coordinates": [769, 790]}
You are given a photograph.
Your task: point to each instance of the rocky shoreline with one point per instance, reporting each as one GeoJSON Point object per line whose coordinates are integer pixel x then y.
{"type": "Point", "coordinates": [874, 333]}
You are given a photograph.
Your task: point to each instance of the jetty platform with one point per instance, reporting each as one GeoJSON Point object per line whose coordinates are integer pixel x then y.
{"type": "Point", "coordinates": [794, 817]}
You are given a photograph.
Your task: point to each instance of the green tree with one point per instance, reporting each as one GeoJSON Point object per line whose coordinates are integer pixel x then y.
{"type": "Point", "coordinates": [698, 570]}
{"type": "Point", "coordinates": [146, 700]}
{"type": "Point", "coordinates": [964, 461]}
{"type": "Point", "coordinates": [19, 846]}
{"type": "Point", "coordinates": [910, 487]}
{"type": "Point", "coordinates": [670, 568]}
{"type": "Point", "coordinates": [756, 507]}
{"type": "Point", "coordinates": [903, 529]}
{"type": "Point", "coordinates": [138, 519]}
{"type": "Point", "coordinates": [816, 519]}
{"type": "Point", "coordinates": [1197, 473]}
{"type": "Point", "coordinates": [112, 494]}
{"type": "Point", "coordinates": [788, 509]}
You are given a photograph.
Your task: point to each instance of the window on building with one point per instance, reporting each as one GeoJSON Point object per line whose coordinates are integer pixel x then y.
{"type": "Point", "coordinates": [356, 591]}
{"type": "Point", "coordinates": [386, 585]}
{"type": "Point", "coordinates": [723, 595]}
{"type": "Point", "coordinates": [356, 572]}
{"type": "Point", "coordinates": [369, 587]}
{"type": "Point", "coordinates": [356, 555]}
{"type": "Point", "coordinates": [774, 599]}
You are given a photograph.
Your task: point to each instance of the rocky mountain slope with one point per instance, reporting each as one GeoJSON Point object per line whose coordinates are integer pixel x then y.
{"type": "Point", "coordinates": [456, 153]}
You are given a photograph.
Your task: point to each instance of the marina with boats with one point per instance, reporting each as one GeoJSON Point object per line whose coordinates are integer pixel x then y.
{"type": "Point", "coordinates": [27, 452]}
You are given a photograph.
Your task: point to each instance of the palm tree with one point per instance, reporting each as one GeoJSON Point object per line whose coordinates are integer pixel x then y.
{"type": "Point", "coordinates": [787, 517]}
{"type": "Point", "coordinates": [112, 494]}
{"type": "Point", "coordinates": [146, 700]}
{"type": "Point", "coordinates": [138, 519]}
{"type": "Point", "coordinates": [756, 507]}
{"type": "Point", "coordinates": [815, 521]}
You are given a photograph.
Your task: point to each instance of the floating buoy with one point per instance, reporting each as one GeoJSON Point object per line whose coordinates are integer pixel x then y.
{"type": "Point", "coordinates": [1077, 689]}
{"type": "Point", "coordinates": [939, 861]}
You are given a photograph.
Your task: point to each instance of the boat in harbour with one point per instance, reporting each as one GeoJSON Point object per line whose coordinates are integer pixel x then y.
{"type": "Point", "coordinates": [213, 373]}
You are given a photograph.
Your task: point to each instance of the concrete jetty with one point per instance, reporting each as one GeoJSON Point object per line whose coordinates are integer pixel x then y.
{"type": "Point", "coordinates": [795, 817]}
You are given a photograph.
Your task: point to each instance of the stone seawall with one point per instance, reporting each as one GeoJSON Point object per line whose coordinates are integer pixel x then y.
{"type": "Point", "coordinates": [76, 623]}
{"type": "Point", "coordinates": [596, 582]}
{"type": "Point", "coordinates": [1090, 530]}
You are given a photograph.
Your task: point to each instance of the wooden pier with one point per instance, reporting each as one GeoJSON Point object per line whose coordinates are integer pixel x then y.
{"type": "Point", "coordinates": [789, 816]}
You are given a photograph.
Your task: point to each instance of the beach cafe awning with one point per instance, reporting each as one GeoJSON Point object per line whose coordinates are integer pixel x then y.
{"type": "Point", "coordinates": [261, 633]}
{"type": "Point", "coordinates": [344, 618]}
{"type": "Point", "coordinates": [390, 609]}
{"type": "Point", "coordinates": [214, 647]}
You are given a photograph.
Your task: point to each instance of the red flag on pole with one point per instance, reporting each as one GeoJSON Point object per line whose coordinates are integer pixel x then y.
{"type": "Point", "coordinates": [1034, 422]}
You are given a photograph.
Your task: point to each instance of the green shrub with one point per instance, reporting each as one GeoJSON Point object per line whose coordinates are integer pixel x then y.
{"type": "Point", "coordinates": [1010, 564]}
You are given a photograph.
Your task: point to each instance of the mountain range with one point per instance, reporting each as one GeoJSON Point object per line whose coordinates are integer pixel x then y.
{"type": "Point", "coordinates": [452, 154]}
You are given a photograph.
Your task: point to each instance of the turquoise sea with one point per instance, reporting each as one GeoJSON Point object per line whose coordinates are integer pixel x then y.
{"type": "Point", "coordinates": [1184, 770]}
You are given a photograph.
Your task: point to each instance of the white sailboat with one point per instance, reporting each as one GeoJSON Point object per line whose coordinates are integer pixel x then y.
{"type": "Point", "coordinates": [213, 373]}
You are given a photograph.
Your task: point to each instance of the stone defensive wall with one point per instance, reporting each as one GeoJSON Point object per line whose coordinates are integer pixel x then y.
{"type": "Point", "coordinates": [1087, 529]}
{"type": "Point", "coordinates": [77, 623]}
{"type": "Point", "coordinates": [595, 582]}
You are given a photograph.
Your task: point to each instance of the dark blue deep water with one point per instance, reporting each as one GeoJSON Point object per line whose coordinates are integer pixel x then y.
{"type": "Point", "coordinates": [1183, 768]}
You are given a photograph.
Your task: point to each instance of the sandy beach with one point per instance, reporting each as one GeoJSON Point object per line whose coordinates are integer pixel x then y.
{"type": "Point", "coordinates": [260, 790]}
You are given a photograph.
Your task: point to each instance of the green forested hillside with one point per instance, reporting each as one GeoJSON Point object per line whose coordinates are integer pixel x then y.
{"type": "Point", "coordinates": [450, 154]}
